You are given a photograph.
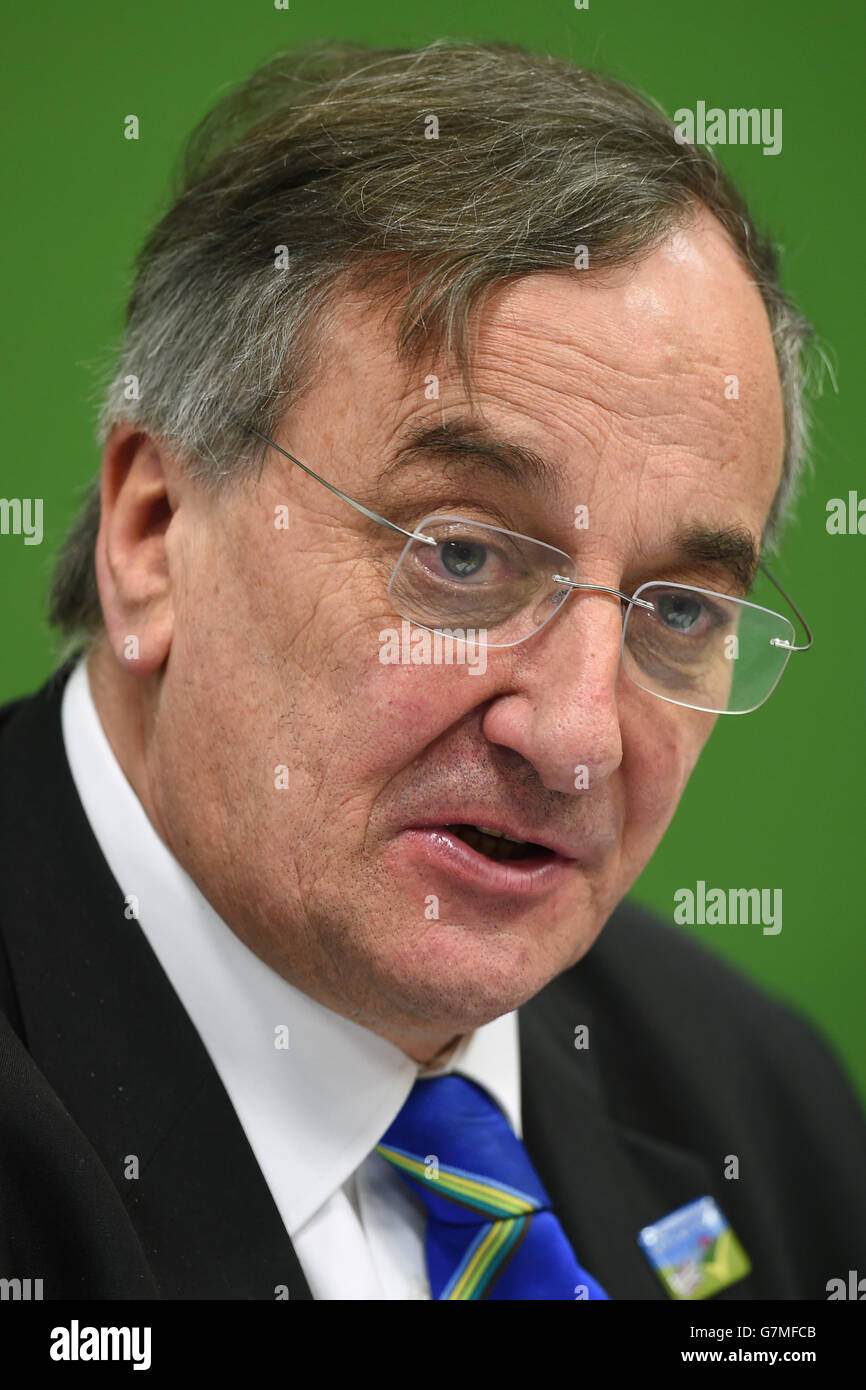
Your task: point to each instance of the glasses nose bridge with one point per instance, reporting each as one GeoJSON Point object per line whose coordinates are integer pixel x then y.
{"type": "Point", "coordinates": [567, 586]}
{"type": "Point", "coordinates": [603, 589]}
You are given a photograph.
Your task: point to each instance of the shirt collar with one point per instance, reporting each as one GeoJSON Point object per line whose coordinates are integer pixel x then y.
{"type": "Point", "coordinates": [314, 1091]}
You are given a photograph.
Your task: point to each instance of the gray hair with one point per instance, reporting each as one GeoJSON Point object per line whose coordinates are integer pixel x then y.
{"type": "Point", "coordinates": [324, 152]}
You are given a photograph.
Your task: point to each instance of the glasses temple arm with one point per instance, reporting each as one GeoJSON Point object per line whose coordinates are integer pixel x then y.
{"type": "Point", "coordinates": [359, 506]}
{"type": "Point", "coordinates": [789, 600]}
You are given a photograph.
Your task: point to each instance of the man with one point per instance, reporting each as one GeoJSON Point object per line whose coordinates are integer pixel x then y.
{"type": "Point", "coordinates": [287, 1015]}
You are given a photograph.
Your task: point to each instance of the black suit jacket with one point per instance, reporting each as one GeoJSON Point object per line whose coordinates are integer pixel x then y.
{"type": "Point", "coordinates": [687, 1064]}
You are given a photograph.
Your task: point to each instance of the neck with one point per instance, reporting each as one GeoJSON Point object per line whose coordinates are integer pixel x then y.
{"type": "Point", "coordinates": [428, 1052]}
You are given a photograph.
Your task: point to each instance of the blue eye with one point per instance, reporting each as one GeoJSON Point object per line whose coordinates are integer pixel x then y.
{"type": "Point", "coordinates": [685, 613]}
{"type": "Point", "coordinates": [463, 559]}
{"type": "Point", "coordinates": [679, 611]}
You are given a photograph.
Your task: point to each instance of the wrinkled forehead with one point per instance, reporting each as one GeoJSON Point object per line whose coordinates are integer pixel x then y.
{"type": "Point", "coordinates": [657, 374]}
{"type": "Point", "coordinates": [683, 318]}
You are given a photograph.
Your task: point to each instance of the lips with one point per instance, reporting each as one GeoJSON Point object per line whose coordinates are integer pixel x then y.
{"type": "Point", "coordinates": [441, 851]}
{"type": "Point", "coordinates": [458, 843]}
{"type": "Point", "coordinates": [506, 837]}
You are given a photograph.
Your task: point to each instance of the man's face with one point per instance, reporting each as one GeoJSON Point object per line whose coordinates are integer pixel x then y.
{"type": "Point", "coordinates": [340, 871]}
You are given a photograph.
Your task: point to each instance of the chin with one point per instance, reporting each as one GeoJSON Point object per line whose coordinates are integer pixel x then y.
{"type": "Point", "coordinates": [463, 977]}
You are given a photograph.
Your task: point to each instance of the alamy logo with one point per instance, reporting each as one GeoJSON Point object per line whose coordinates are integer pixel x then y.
{"type": "Point", "coordinates": [714, 907]}
{"type": "Point", "coordinates": [21, 1290]}
{"type": "Point", "coordinates": [854, 1289]}
{"type": "Point", "coordinates": [22, 516]}
{"type": "Point", "coordinates": [455, 646]}
{"type": "Point", "coordinates": [76, 1343]}
{"type": "Point", "coordinates": [738, 126]}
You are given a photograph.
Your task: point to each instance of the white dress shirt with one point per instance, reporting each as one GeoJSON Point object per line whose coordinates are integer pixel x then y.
{"type": "Point", "coordinates": [312, 1111]}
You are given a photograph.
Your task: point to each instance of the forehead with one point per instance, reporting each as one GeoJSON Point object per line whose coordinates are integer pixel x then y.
{"type": "Point", "coordinates": [683, 318]}
{"type": "Point", "coordinates": [655, 372]}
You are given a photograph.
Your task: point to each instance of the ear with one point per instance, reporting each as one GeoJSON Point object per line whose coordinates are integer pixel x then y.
{"type": "Point", "coordinates": [138, 501]}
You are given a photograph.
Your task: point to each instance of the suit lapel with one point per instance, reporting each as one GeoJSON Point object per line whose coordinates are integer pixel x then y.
{"type": "Point", "coordinates": [606, 1179]}
{"type": "Point", "coordinates": [104, 1025]}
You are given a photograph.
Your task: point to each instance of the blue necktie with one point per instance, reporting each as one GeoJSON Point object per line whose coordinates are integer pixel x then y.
{"type": "Point", "coordinates": [490, 1230]}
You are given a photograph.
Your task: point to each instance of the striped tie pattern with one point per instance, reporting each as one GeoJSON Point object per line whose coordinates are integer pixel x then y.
{"type": "Point", "coordinates": [490, 1231]}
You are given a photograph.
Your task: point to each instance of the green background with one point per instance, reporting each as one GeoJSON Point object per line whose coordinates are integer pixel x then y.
{"type": "Point", "coordinates": [776, 800]}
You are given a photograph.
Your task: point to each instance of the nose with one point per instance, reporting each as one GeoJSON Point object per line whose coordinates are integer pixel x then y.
{"type": "Point", "coordinates": [560, 709]}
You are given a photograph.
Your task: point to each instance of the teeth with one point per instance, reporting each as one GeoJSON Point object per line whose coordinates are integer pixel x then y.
{"type": "Point", "coordinates": [500, 835]}
{"type": "Point", "coordinates": [493, 843]}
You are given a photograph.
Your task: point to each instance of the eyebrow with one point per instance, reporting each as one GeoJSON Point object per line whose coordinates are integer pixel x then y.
{"type": "Point", "coordinates": [463, 440]}
{"type": "Point", "coordinates": [731, 548]}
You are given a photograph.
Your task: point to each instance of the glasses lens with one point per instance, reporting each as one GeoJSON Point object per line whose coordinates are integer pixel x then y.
{"type": "Point", "coordinates": [704, 650]}
{"type": "Point", "coordinates": [479, 578]}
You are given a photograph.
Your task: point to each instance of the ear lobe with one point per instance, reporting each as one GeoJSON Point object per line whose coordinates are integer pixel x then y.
{"type": "Point", "coordinates": [131, 561]}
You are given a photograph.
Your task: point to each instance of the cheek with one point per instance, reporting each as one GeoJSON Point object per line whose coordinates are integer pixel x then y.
{"type": "Point", "coordinates": [660, 749]}
{"type": "Point", "coordinates": [350, 719]}
{"type": "Point", "coordinates": [402, 709]}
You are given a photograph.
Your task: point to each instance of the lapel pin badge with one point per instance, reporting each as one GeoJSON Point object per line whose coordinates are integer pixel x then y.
{"type": "Point", "coordinates": [694, 1251]}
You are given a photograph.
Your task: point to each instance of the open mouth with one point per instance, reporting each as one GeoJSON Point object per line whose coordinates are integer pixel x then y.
{"type": "Point", "coordinates": [479, 858]}
{"type": "Point", "coordinates": [497, 846]}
